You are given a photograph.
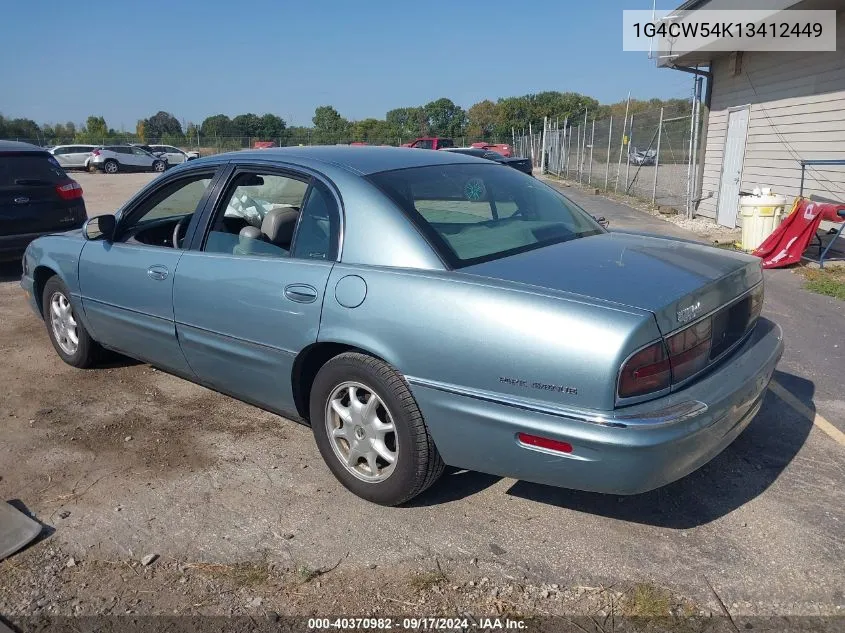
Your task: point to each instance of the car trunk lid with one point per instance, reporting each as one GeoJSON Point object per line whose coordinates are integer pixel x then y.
{"type": "Point", "coordinates": [677, 281]}
{"type": "Point", "coordinates": [29, 199]}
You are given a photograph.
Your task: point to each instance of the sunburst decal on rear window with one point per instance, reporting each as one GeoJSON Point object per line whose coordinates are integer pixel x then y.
{"type": "Point", "coordinates": [474, 189]}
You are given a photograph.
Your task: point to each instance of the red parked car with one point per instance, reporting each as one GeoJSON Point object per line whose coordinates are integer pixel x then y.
{"type": "Point", "coordinates": [502, 148]}
{"type": "Point", "coordinates": [430, 142]}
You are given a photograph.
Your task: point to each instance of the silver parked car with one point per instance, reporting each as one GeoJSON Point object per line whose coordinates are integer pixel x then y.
{"type": "Point", "coordinates": [173, 155]}
{"type": "Point", "coordinates": [114, 158]}
{"type": "Point", "coordinates": [72, 156]}
{"type": "Point", "coordinates": [420, 309]}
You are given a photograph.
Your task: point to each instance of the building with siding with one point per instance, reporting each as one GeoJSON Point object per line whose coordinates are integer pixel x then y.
{"type": "Point", "coordinates": [767, 111]}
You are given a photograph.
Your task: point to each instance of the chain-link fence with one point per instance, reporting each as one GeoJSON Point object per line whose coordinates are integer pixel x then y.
{"type": "Point", "coordinates": [647, 154]}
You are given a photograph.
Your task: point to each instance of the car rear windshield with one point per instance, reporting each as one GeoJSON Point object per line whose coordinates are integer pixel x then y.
{"type": "Point", "coordinates": [30, 169]}
{"type": "Point", "coordinates": [473, 213]}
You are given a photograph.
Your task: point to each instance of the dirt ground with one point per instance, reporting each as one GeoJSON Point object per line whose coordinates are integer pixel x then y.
{"type": "Point", "coordinates": [123, 461]}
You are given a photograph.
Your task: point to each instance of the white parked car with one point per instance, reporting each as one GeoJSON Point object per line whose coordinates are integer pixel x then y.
{"type": "Point", "coordinates": [114, 158]}
{"type": "Point", "coordinates": [173, 155]}
{"type": "Point", "coordinates": [72, 156]}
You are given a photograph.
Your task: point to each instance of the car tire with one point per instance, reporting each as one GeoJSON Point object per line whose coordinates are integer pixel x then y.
{"type": "Point", "coordinates": [63, 326]}
{"type": "Point", "coordinates": [111, 166]}
{"type": "Point", "coordinates": [349, 434]}
{"type": "Point", "coordinates": [159, 166]}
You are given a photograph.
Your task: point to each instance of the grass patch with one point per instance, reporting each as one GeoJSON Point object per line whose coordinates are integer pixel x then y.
{"type": "Point", "coordinates": [825, 281]}
{"type": "Point", "coordinates": [647, 601]}
{"type": "Point", "coordinates": [427, 580]}
{"type": "Point", "coordinates": [241, 575]}
{"type": "Point", "coordinates": [728, 246]}
{"type": "Point", "coordinates": [306, 574]}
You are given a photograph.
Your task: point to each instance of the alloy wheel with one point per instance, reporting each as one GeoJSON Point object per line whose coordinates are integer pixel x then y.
{"type": "Point", "coordinates": [362, 432]}
{"type": "Point", "coordinates": [63, 323]}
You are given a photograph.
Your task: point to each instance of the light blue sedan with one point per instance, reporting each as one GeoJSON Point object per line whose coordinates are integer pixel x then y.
{"type": "Point", "coordinates": [419, 309]}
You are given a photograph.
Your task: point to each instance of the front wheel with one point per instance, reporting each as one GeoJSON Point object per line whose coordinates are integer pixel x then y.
{"type": "Point", "coordinates": [68, 335]}
{"type": "Point", "coordinates": [159, 166]}
{"type": "Point", "coordinates": [370, 431]}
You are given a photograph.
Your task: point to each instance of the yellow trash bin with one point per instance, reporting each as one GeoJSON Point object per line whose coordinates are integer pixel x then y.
{"type": "Point", "coordinates": [761, 212]}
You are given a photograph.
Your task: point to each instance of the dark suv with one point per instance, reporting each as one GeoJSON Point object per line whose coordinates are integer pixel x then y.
{"type": "Point", "coordinates": [36, 197]}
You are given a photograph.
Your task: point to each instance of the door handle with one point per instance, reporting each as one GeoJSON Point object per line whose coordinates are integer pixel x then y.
{"type": "Point", "coordinates": [157, 272]}
{"type": "Point", "coordinates": [301, 293]}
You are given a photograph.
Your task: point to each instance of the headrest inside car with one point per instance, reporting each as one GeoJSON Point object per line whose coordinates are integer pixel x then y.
{"type": "Point", "coordinates": [278, 226]}
{"type": "Point", "coordinates": [249, 233]}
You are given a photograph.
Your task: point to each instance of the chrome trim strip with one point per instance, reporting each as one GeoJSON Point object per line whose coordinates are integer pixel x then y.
{"type": "Point", "coordinates": [665, 416]}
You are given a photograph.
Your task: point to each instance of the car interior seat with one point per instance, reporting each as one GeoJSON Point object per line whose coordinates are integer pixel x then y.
{"type": "Point", "coordinates": [273, 239]}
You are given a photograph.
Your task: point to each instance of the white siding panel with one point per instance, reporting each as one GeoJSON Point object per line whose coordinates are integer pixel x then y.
{"type": "Point", "coordinates": [797, 112]}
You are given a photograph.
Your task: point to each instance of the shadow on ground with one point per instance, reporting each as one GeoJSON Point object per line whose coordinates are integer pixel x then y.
{"type": "Point", "coordinates": [455, 484]}
{"type": "Point", "coordinates": [742, 472]}
{"type": "Point", "coordinates": [10, 271]}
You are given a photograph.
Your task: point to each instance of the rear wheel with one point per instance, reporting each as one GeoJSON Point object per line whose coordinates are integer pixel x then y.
{"type": "Point", "coordinates": [69, 337]}
{"type": "Point", "coordinates": [111, 166]}
{"type": "Point", "coordinates": [370, 431]}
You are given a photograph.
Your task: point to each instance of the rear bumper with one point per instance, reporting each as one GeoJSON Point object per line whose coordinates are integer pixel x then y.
{"type": "Point", "coordinates": [629, 451]}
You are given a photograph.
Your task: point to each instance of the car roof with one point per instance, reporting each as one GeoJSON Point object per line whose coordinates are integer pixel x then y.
{"type": "Point", "coordinates": [17, 146]}
{"type": "Point", "coordinates": [361, 159]}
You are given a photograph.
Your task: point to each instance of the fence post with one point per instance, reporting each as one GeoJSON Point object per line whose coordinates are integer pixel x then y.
{"type": "Point", "coordinates": [568, 151]}
{"type": "Point", "coordinates": [630, 145]}
{"type": "Point", "coordinates": [543, 150]}
{"type": "Point", "coordinates": [622, 143]}
{"type": "Point", "coordinates": [657, 158]}
{"type": "Point", "coordinates": [583, 151]}
{"type": "Point", "coordinates": [592, 143]}
{"type": "Point", "coordinates": [531, 143]}
{"type": "Point", "coordinates": [607, 158]}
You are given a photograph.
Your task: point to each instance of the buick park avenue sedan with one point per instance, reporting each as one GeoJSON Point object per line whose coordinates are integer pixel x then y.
{"type": "Point", "coordinates": [419, 309]}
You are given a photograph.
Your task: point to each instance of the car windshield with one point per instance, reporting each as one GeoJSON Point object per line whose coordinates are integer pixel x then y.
{"type": "Point", "coordinates": [478, 212]}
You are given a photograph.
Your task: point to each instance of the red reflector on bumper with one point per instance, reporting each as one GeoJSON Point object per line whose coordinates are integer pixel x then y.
{"type": "Point", "coordinates": [544, 442]}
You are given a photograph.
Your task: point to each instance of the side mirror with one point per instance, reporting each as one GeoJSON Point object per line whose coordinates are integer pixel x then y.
{"type": "Point", "coordinates": [604, 222]}
{"type": "Point", "coordinates": [100, 227]}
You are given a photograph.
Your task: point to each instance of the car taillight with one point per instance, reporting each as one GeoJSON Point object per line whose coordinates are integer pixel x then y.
{"type": "Point", "coordinates": [689, 349]}
{"type": "Point", "coordinates": [96, 152]}
{"type": "Point", "coordinates": [755, 305]}
{"type": "Point", "coordinates": [645, 372]}
{"type": "Point", "coordinates": [69, 190]}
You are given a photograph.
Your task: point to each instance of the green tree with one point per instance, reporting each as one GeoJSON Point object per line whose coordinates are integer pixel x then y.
{"type": "Point", "coordinates": [407, 123]}
{"type": "Point", "coordinates": [444, 118]}
{"type": "Point", "coordinates": [20, 128]}
{"type": "Point", "coordinates": [246, 124]}
{"type": "Point", "coordinates": [217, 126]}
{"type": "Point", "coordinates": [298, 135]}
{"type": "Point", "coordinates": [374, 131]}
{"type": "Point", "coordinates": [95, 130]}
{"type": "Point", "coordinates": [271, 126]}
{"type": "Point", "coordinates": [329, 126]}
{"type": "Point", "coordinates": [481, 120]}
{"type": "Point", "coordinates": [162, 124]}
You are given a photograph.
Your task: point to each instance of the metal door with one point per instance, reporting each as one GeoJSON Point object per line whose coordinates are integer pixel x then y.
{"type": "Point", "coordinates": [734, 156]}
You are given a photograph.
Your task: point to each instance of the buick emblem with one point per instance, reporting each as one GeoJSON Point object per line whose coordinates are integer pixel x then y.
{"type": "Point", "coordinates": [689, 313]}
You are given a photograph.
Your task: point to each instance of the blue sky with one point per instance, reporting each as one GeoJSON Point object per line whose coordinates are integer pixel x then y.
{"type": "Point", "coordinates": [127, 60]}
